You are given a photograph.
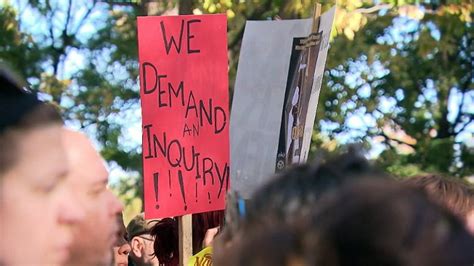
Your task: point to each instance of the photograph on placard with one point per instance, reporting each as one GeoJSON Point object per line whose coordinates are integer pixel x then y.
{"type": "Point", "coordinates": [304, 56]}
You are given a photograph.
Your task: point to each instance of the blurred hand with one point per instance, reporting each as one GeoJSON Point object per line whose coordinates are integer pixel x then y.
{"type": "Point", "coordinates": [209, 236]}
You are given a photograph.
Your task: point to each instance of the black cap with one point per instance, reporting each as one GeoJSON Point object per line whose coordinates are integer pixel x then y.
{"type": "Point", "coordinates": [15, 100]}
{"type": "Point", "coordinates": [138, 226]}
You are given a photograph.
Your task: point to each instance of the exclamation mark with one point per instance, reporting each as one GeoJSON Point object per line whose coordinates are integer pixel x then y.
{"type": "Point", "coordinates": [180, 179]}
{"type": "Point", "coordinates": [209, 197]}
{"type": "Point", "coordinates": [169, 182]}
{"type": "Point", "coordinates": [196, 192]}
{"type": "Point", "coordinates": [155, 179]}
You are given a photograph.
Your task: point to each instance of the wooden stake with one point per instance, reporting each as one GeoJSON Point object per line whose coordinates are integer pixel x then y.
{"type": "Point", "coordinates": [185, 227]}
{"type": "Point", "coordinates": [316, 16]}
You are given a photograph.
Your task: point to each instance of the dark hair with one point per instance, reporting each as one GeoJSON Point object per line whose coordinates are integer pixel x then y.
{"type": "Point", "coordinates": [166, 245]}
{"type": "Point", "coordinates": [201, 223]}
{"type": "Point", "coordinates": [15, 100]}
{"type": "Point", "coordinates": [364, 223]}
{"type": "Point", "coordinates": [382, 222]}
{"type": "Point", "coordinates": [295, 191]}
{"type": "Point", "coordinates": [453, 194]}
{"type": "Point", "coordinates": [293, 194]}
{"type": "Point", "coordinates": [20, 111]}
{"type": "Point", "coordinates": [275, 245]}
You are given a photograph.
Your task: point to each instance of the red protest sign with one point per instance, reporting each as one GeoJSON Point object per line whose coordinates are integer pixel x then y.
{"type": "Point", "coordinates": [184, 96]}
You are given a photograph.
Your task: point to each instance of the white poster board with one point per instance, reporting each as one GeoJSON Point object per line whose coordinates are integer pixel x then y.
{"type": "Point", "coordinates": [259, 97]}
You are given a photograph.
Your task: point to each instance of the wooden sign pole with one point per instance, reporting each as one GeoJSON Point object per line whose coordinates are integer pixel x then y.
{"type": "Point", "coordinates": [185, 227]}
{"type": "Point", "coordinates": [316, 16]}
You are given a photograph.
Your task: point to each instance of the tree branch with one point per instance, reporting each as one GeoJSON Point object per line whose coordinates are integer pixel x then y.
{"type": "Point", "coordinates": [254, 15]}
{"type": "Point", "coordinates": [84, 18]}
{"type": "Point", "coordinates": [471, 118]}
{"type": "Point", "coordinates": [461, 105]}
{"type": "Point", "coordinates": [185, 7]}
{"type": "Point", "coordinates": [464, 88]}
{"type": "Point", "coordinates": [51, 28]}
{"type": "Point", "coordinates": [373, 8]}
{"type": "Point", "coordinates": [396, 140]}
{"type": "Point", "coordinates": [68, 18]}
{"type": "Point", "coordinates": [21, 11]}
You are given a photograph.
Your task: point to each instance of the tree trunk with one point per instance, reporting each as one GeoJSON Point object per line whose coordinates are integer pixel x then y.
{"type": "Point", "coordinates": [185, 7]}
{"type": "Point", "coordinates": [287, 10]}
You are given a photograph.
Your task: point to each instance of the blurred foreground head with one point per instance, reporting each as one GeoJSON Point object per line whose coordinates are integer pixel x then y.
{"type": "Point", "coordinates": [95, 236]}
{"type": "Point", "coordinates": [366, 222]}
{"type": "Point", "coordinates": [456, 195]}
{"type": "Point", "coordinates": [295, 192]}
{"type": "Point", "coordinates": [36, 209]}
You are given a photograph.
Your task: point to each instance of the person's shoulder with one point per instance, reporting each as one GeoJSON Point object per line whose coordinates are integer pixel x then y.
{"type": "Point", "coordinates": [203, 257]}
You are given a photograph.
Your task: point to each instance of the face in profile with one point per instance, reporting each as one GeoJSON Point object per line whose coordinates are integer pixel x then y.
{"type": "Point", "coordinates": [97, 234]}
{"type": "Point", "coordinates": [122, 247]}
{"type": "Point", "coordinates": [142, 250]}
{"type": "Point", "coordinates": [121, 254]}
{"type": "Point", "coordinates": [37, 209]}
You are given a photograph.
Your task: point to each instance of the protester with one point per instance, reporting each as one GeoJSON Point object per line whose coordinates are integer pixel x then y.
{"type": "Point", "coordinates": [381, 222]}
{"type": "Point", "coordinates": [343, 212]}
{"type": "Point", "coordinates": [295, 191]}
{"type": "Point", "coordinates": [121, 253]}
{"type": "Point", "coordinates": [205, 227]}
{"type": "Point", "coordinates": [141, 241]}
{"type": "Point", "coordinates": [204, 255]}
{"type": "Point", "coordinates": [455, 195]}
{"type": "Point", "coordinates": [166, 247]}
{"type": "Point", "coordinates": [365, 222]}
{"type": "Point", "coordinates": [121, 248]}
{"type": "Point", "coordinates": [36, 210]}
{"type": "Point", "coordinates": [95, 236]}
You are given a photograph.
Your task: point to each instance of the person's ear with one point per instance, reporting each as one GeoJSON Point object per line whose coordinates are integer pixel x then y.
{"type": "Point", "coordinates": [136, 245]}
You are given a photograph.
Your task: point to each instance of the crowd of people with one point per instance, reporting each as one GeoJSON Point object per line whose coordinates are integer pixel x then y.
{"type": "Point", "coordinates": [56, 208]}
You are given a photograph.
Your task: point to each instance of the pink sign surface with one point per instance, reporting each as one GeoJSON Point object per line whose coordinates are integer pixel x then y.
{"type": "Point", "coordinates": [185, 117]}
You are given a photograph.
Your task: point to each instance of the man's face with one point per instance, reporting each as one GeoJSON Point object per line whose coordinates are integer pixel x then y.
{"type": "Point", "coordinates": [36, 206]}
{"type": "Point", "coordinates": [149, 252]}
{"type": "Point", "coordinates": [96, 235]}
{"type": "Point", "coordinates": [121, 255]}
{"type": "Point", "coordinates": [143, 252]}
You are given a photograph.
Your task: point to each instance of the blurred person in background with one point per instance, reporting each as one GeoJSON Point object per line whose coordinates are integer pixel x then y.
{"type": "Point", "coordinates": [205, 227]}
{"type": "Point", "coordinates": [456, 195]}
{"type": "Point", "coordinates": [37, 210]}
{"type": "Point", "coordinates": [95, 236]}
{"type": "Point", "coordinates": [121, 249]}
{"type": "Point", "coordinates": [141, 241]}
{"type": "Point", "coordinates": [165, 246]}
